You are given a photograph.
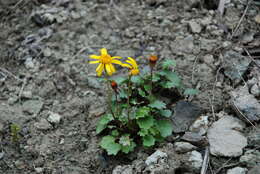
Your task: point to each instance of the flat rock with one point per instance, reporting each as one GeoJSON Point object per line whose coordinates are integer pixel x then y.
{"type": "Point", "coordinates": [194, 138]}
{"type": "Point", "coordinates": [126, 169]}
{"type": "Point", "coordinates": [195, 160]}
{"type": "Point", "coordinates": [237, 170]}
{"type": "Point", "coordinates": [12, 113]}
{"type": "Point", "coordinates": [225, 139]}
{"type": "Point", "coordinates": [251, 158]}
{"type": "Point", "coordinates": [183, 147]}
{"type": "Point", "coordinates": [43, 124]}
{"type": "Point", "coordinates": [32, 106]}
{"type": "Point", "coordinates": [235, 65]}
{"type": "Point", "coordinates": [200, 125]}
{"type": "Point", "coordinates": [54, 118]}
{"type": "Point", "coordinates": [245, 104]}
{"type": "Point", "coordinates": [254, 170]}
{"type": "Point", "coordinates": [157, 157]}
{"type": "Point", "coordinates": [195, 27]}
{"type": "Point", "coordinates": [185, 113]}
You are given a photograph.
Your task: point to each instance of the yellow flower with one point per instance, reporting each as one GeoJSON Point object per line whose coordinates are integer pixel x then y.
{"type": "Point", "coordinates": [133, 66]}
{"type": "Point", "coordinates": [105, 62]}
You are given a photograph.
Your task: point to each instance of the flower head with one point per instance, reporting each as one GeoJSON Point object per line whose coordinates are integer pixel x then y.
{"type": "Point", "coordinates": [133, 66]}
{"type": "Point", "coordinates": [152, 60]}
{"type": "Point", "coordinates": [105, 62]}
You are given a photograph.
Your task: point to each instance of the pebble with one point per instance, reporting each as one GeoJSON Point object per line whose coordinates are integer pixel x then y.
{"type": "Point", "coordinates": [126, 169]}
{"type": "Point", "coordinates": [32, 106]}
{"type": "Point", "coordinates": [200, 126]}
{"type": "Point", "coordinates": [194, 138]}
{"type": "Point", "coordinates": [54, 118]}
{"type": "Point", "coordinates": [38, 169]}
{"type": "Point", "coordinates": [246, 103]}
{"type": "Point", "coordinates": [195, 27]}
{"type": "Point", "coordinates": [255, 90]}
{"type": "Point", "coordinates": [225, 139]}
{"type": "Point", "coordinates": [195, 159]}
{"type": "Point", "coordinates": [157, 157]}
{"type": "Point", "coordinates": [237, 170]}
{"type": "Point", "coordinates": [257, 18]}
{"type": "Point", "coordinates": [183, 147]}
{"type": "Point", "coordinates": [43, 124]}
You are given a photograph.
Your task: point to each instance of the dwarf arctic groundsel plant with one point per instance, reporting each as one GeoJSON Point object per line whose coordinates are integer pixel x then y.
{"type": "Point", "coordinates": [137, 113]}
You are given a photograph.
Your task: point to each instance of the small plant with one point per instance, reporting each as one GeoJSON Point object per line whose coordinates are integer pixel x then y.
{"type": "Point", "coordinates": [137, 115]}
{"type": "Point", "coordinates": [15, 129]}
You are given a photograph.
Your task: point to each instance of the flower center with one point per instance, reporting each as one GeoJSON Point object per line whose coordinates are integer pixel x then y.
{"type": "Point", "coordinates": [134, 72]}
{"type": "Point", "coordinates": [106, 59]}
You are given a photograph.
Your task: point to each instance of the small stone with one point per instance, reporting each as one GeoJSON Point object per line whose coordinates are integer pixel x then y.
{"type": "Point", "coordinates": [208, 59]}
{"type": "Point", "coordinates": [47, 52]}
{"type": "Point", "coordinates": [126, 169]}
{"type": "Point", "coordinates": [183, 147]}
{"type": "Point", "coordinates": [195, 160]}
{"type": "Point", "coordinates": [32, 106]}
{"type": "Point", "coordinates": [27, 94]}
{"type": "Point", "coordinates": [54, 118]}
{"type": "Point", "coordinates": [157, 157]}
{"type": "Point", "coordinates": [12, 100]}
{"type": "Point", "coordinates": [237, 170]}
{"type": "Point", "coordinates": [254, 170]}
{"type": "Point", "coordinates": [75, 15]}
{"type": "Point", "coordinates": [255, 90]}
{"type": "Point", "coordinates": [185, 113]}
{"type": "Point", "coordinates": [194, 138]}
{"type": "Point", "coordinates": [29, 64]}
{"type": "Point", "coordinates": [224, 138]}
{"type": "Point", "coordinates": [257, 18]}
{"type": "Point", "coordinates": [38, 169]}
{"type": "Point", "coordinates": [195, 27]}
{"type": "Point", "coordinates": [251, 158]}
{"type": "Point", "coordinates": [200, 126]}
{"type": "Point", "coordinates": [245, 104]}
{"type": "Point", "coordinates": [43, 124]}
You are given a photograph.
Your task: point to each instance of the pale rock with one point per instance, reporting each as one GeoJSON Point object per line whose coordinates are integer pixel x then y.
{"type": "Point", "coordinates": [200, 125]}
{"type": "Point", "coordinates": [195, 159]}
{"type": "Point", "coordinates": [183, 147]}
{"type": "Point", "coordinates": [126, 169]}
{"type": "Point", "coordinates": [195, 27]}
{"type": "Point", "coordinates": [43, 124]}
{"type": "Point", "coordinates": [54, 118]}
{"type": "Point", "coordinates": [157, 157]}
{"type": "Point", "coordinates": [257, 18]}
{"type": "Point", "coordinates": [237, 170]}
{"type": "Point", "coordinates": [225, 139]}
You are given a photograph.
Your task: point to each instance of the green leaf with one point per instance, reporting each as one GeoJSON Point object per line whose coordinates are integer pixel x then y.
{"type": "Point", "coordinates": [142, 112]}
{"type": "Point", "coordinates": [146, 122]}
{"type": "Point", "coordinates": [119, 80]}
{"type": "Point", "coordinates": [157, 104]}
{"type": "Point", "coordinates": [166, 113]}
{"type": "Point", "coordinates": [114, 133]}
{"type": "Point", "coordinates": [165, 127]}
{"type": "Point", "coordinates": [143, 132]}
{"type": "Point", "coordinates": [122, 94]}
{"type": "Point", "coordinates": [156, 77]}
{"type": "Point", "coordinates": [127, 149]}
{"type": "Point", "coordinates": [137, 80]}
{"type": "Point", "coordinates": [190, 91]}
{"type": "Point", "coordinates": [148, 140]}
{"type": "Point", "coordinates": [147, 88]}
{"type": "Point", "coordinates": [153, 131]}
{"type": "Point", "coordinates": [102, 124]}
{"type": "Point", "coordinates": [174, 79]}
{"type": "Point", "coordinates": [168, 63]}
{"type": "Point", "coordinates": [108, 143]}
{"type": "Point", "coordinates": [141, 92]}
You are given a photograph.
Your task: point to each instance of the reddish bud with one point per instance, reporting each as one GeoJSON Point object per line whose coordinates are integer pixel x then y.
{"type": "Point", "coordinates": [152, 60]}
{"type": "Point", "coordinates": [113, 85]}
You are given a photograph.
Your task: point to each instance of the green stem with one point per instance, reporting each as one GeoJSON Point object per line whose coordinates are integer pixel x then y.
{"type": "Point", "coordinates": [151, 80]}
{"type": "Point", "coordinates": [109, 97]}
{"type": "Point", "coordinates": [129, 95]}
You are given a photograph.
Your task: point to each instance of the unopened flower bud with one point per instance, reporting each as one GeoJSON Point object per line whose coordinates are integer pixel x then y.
{"type": "Point", "coordinates": [113, 85]}
{"type": "Point", "coordinates": [152, 60]}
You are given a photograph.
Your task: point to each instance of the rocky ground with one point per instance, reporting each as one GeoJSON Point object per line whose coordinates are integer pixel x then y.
{"type": "Point", "coordinates": [48, 90]}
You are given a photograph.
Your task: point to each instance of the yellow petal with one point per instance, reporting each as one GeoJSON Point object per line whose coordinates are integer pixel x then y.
{"type": "Point", "coordinates": [93, 62]}
{"type": "Point", "coordinates": [133, 62]}
{"type": "Point", "coordinates": [100, 69]}
{"type": "Point", "coordinates": [127, 65]}
{"type": "Point", "coordinates": [116, 62]}
{"type": "Point", "coordinates": [109, 71]}
{"type": "Point", "coordinates": [112, 68]}
{"type": "Point", "coordinates": [94, 56]}
{"type": "Point", "coordinates": [116, 57]}
{"type": "Point", "coordinates": [103, 51]}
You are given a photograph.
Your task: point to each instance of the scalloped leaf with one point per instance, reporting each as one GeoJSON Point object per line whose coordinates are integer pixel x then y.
{"type": "Point", "coordinates": [148, 140]}
{"type": "Point", "coordinates": [168, 63]}
{"type": "Point", "coordinates": [166, 113]}
{"type": "Point", "coordinates": [102, 124]}
{"type": "Point", "coordinates": [108, 143]}
{"type": "Point", "coordinates": [146, 122]}
{"type": "Point", "coordinates": [164, 127]}
{"type": "Point", "coordinates": [157, 104]}
{"type": "Point", "coordinates": [142, 112]}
